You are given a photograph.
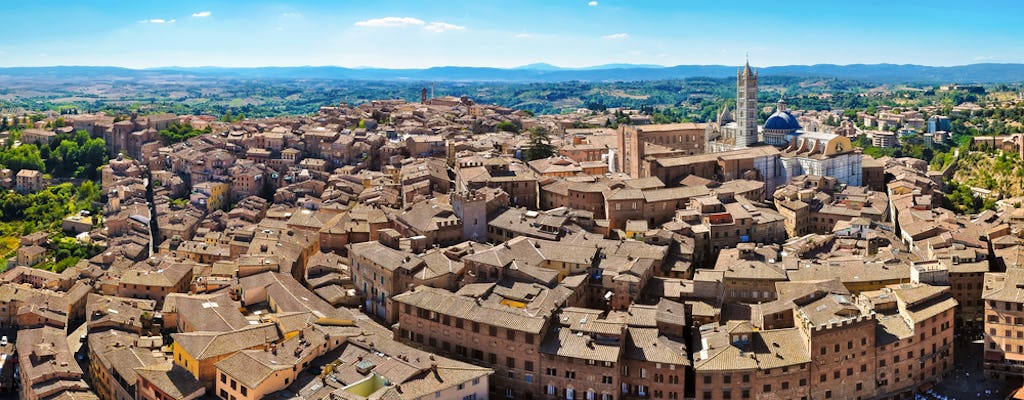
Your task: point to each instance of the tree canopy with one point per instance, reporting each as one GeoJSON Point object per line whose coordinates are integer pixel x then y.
{"type": "Point", "coordinates": [180, 132]}
{"type": "Point", "coordinates": [78, 151]}
{"type": "Point", "coordinates": [540, 144]}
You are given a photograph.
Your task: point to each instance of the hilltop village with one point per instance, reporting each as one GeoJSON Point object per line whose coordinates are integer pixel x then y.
{"type": "Point", "coordinates": [421, 250]}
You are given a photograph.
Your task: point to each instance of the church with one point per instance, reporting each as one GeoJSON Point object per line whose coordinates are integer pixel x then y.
{"type": "Point", "coordinates": [800, 152]}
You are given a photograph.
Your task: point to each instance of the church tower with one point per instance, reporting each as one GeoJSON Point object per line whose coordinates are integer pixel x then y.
{"type": "Point", "coordinates": [746, 107]}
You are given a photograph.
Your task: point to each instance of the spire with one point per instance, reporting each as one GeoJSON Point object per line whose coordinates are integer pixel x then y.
{"type": "Point", "coordinates": [782, 104]}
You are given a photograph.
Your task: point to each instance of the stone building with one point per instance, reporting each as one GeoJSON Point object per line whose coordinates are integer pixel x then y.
{"type": "Point", "coordinates": [637, 142]}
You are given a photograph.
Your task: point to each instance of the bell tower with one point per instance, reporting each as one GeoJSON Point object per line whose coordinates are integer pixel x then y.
{"type": "Point", "coordinates": [746, 106]}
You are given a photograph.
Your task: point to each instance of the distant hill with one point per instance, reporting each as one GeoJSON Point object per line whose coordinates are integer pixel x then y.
{"type": "Point", "coordinates": [541, 72]}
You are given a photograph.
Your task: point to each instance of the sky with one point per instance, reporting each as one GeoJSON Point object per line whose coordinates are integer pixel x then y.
{"type": "Point", "coordinates": [509, 33]}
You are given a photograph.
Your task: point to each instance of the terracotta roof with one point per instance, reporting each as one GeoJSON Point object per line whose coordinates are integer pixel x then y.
{"type": "Point", "coordinates": [645, 344]}
{"type": "Point", "coordinates": [206, 345]}
{"type": "Point", "coordinates": [532, 318]}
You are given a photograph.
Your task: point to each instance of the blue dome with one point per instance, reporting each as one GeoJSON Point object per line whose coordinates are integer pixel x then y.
{"type": "Point", "coordinates": [781, 120]}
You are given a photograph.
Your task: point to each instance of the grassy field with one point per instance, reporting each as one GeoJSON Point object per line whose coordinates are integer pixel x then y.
{"type": "Point", "coordinates": [8, 246]}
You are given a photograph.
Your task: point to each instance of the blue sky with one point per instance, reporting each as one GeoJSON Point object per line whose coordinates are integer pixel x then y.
{"type": "Point", "coordinates": [412, 34]}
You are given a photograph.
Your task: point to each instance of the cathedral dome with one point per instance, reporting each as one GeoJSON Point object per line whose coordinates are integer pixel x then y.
{"type": "Point", "coordinates": [781, 120]}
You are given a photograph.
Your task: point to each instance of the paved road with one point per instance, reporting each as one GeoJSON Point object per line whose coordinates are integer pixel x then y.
{"type": "Point", "coordinates": [75, 338]}
{"type": "Point", "coordinates": [967, 381]}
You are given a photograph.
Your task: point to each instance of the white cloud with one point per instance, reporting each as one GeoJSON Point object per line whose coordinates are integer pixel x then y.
{"type": "Point", "coordinates": [524, 35]}
{"type": "Point", "coordinates": [291, 14]}
{"type": "Point", "coordinates": [279, 29]}
{"type": "Point", "coordinates": [615, 36]}
{"type": "Point", "coordinates": [984, 58]}
{"type": "Point", "coordinates": [443, 27]}
{"type": "Point", "coordinates": [202, 14]}
{"type": "Point", "coordinates": [390, 22]}
{"type": "Point", "coordinates": [157, 21]}
{"type": "Point", "coordinates": [592, 4]}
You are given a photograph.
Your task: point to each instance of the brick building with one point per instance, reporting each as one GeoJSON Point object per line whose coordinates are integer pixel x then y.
{"type": "Point", "coordinates": [635, 142]}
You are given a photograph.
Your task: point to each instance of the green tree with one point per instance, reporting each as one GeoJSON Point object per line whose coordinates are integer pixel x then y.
{"type": "Point", "coordinates": [22, 157]}
{"type": "Point", "coordinates": [507, 126]}
{"type": "Point", "coordinates": [180, 132]}
{"type": "Point", "coordinates": [540, 144]}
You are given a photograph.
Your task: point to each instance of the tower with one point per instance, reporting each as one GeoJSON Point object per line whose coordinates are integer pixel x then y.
{"type": "Point", "coordinates": [471, 207]}
{"type": "Point", "coordinates": [746, 107]}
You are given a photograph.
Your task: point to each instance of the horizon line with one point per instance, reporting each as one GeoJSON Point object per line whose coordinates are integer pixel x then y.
{"type": "Point", "coordinates": [524, 66]}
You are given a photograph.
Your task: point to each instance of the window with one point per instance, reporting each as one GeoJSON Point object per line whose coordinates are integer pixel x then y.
{"type": "Point", "coordinates": [785, 385]}
{"type": "Point", "coordinates": [223, 378]}
{"type": "Point", "coordinates": [245, 391]}
{"type": "Point", "coordinates": [707, 379]}
{"type": "Point", "coordinates": [510, 334]}
{"type": "Point", "coordinates": [551, 390]}
{"type": "Point", "coordinates": [607, 380]}
{"type": "Point", "coordinates": [828, 394]}
{"type": "Point", "coordinates": [234, 385]}
{"type": "Point", "coordinates": [767, 388]}
{"type": "Point", "coordinates": [529, 338]}
{"type": "Point", "coordinates": [551, 372]}
{"type": "Point", "coordinates": [528, 365]}
{"type": "Point", "coordinates": [492, 330]}
{"type": "Point", "coordinates": [570, 374]}
{"type": "Point", "coordinates": [510, 362]}
{"type": "Point", "coordinates": [726, 379]}
{"type": "Point", "coordinates": [508, 393]}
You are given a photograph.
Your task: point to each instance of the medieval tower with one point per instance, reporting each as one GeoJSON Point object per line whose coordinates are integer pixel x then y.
{"type": "Point", "coordinates": [746, 107]}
